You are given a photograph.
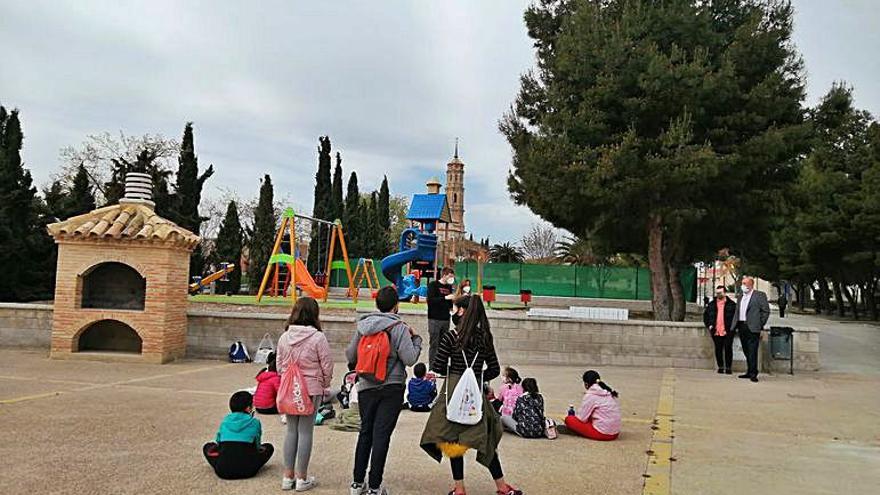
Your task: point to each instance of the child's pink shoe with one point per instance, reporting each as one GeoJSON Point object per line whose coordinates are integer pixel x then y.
{"type": "Point", "coordinates": [509, 490]}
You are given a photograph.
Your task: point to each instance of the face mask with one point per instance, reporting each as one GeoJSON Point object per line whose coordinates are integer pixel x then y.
{"type": "Point", "coordinates": [450, 280]}
{"type": "Point", "coordinates": [746, 289]}
{"type": "Point", "coordinates": [466, 289]}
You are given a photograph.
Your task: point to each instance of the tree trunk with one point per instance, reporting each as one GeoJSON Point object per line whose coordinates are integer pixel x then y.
{"type": "Point", "coordinates": [853, 303]}
{"type": "Point", "coordinates": [676, 291]}
{"type": "Point", "coordinates": [870, 300]}
{"type": "Point", "coordinates": [838, 297]}
{"type": "Point", "coordinates": [801, 293]}
{"type": "Point", "coordinates": [657, 266]}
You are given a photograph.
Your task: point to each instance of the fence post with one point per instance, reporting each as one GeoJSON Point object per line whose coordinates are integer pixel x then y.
{"type": "Point", "coordinates": [636, 295]}
{"type": "Point", "coordinates": [520, 276]}
{"type": "Point", "coordinates": [575, 280]}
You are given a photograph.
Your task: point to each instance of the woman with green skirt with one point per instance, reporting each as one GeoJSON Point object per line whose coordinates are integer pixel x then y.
{"type": "Point", "coordinates": [469, 344]}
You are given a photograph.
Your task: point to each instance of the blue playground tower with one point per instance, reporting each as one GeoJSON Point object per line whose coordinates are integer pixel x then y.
{"type": "Point", "coordinates": [418, 246]}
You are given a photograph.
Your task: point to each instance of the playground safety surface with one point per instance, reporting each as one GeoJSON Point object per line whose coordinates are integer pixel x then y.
{"type": "Point", "coordinates": [89, 427]}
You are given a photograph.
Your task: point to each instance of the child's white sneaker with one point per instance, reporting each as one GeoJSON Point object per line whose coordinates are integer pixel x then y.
{"type": "Point", "coordinates": [357, 488]}
{"type": "Point", "coordinates": [306, 484]}
{"type": "Point", "coordinates": [288, 483]}
{"type": "Point", "coordinates": [378, 491]}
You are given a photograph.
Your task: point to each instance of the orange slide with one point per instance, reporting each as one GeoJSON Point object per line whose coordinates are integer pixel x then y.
{"type": "Point", "coordinates": [305, 281]}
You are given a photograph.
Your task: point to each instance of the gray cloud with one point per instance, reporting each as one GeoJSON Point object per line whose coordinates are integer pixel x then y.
{"type": "Point", "coordinates": [391, 82]}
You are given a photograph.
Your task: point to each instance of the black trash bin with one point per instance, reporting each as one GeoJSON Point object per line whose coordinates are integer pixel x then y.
{"type": "Point", "coordinates": [782, 345]}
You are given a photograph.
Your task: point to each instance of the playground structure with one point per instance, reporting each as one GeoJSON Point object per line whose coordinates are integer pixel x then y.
{"type": "Point", "coordinates": [222, 274]}
{"type": "Point", "coordinates": [365, 271]}
{"type": "Point", "coordinates": [287, 270]}
{"type": "Point", "coordinates": [418, 246]}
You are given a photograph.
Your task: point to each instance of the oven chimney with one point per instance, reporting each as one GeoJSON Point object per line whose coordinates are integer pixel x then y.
{"type": "Point", "coordinates": [138, 189]}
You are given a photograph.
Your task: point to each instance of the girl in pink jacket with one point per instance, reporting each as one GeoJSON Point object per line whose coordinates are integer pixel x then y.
{"type": "Point", "coordinates": [599, 415]}
{"type": "Point", "coordinates": [510, 391]}
{"type": "Point", "coordinates": [268, 381]}
{"type": "Point", "coordinates": [305, 344]}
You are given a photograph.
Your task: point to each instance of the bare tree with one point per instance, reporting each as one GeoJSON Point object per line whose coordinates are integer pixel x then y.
{"type": "Point", "coordinates": [101, 153]}
{"type": "Point", "coordinates": [539, 242]}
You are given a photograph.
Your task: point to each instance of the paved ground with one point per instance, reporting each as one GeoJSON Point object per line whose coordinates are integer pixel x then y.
{"type": "Point", "coordinates": [85, 427]}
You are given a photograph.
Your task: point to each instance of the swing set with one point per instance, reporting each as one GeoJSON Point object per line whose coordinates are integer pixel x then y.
{"type": "Point", "coordinates": [287, 270]}
{"type": "Point", "coordinates": [365, 271]}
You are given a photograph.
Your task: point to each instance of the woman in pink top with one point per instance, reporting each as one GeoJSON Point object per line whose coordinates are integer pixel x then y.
{"type": "Point", "coordinates": [305, 344]}
{"type": "Point", "coordinates": [510, 391]}
{"type": "Point", "coordinates": [599, 415]}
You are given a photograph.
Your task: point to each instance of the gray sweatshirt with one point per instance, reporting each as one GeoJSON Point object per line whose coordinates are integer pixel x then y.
{"type": "Point", "coordinates": [405, 349]}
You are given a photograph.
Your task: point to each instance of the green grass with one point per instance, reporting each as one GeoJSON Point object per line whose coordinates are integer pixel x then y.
{"type": "Point", "coordinates": [363, 303]}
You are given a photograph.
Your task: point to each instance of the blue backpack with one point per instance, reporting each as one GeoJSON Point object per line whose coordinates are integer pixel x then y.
{"type": "Point", "coordinates": [238, 353]}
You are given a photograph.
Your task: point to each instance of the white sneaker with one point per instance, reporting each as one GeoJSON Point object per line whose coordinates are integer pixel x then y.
{"type": "Point", "coordinates": [379, 491]}
{"type": "Point", "coordinates": [284, 419]}
{"type": "Point", "coordinates": [306, 484]}
{"type": "Point", "coordinates": [357, 488]}
{"type": "Point", "coordinates": [288, 483]}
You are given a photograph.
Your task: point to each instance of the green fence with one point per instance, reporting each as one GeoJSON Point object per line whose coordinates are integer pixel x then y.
{"type": "Point", "coordinates": [604, 282]}
{"type": "Point", "coordinates": [608, 282]}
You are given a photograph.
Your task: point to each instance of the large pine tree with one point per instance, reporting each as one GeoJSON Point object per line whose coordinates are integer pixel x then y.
{"type": "Point", "coordinates": [184, 207]}
{"type": "Point", "coordinates": [351, 221]}
{"type": "Point", "coordinates": [80, 199]}
{"type": "Point", "coordinates": [384, 213]}
{"type": "Point", "coordinates": [322, 205]}
{"type": "Point", "coordinates": [262, 235]}
{"type": "Point", "coordinates": [336, 199]}
{"type": "Point", "coordinates": [230, 241]}
{"type": "Point", "coordinates": [25, 247]}
{"type": "Point", "coordinates": [664, 114]}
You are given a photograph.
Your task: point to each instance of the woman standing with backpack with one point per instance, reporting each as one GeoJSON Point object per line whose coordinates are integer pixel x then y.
{"type": "Point", "coordinates": [303, 349]}
{"type": "Point", "coordinates": [469, 345]}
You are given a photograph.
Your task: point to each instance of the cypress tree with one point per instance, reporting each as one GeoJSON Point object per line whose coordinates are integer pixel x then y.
{"type": "Point", "coordinates": [55, 198]}
{"type": "Point", "coordinates": [262, 235]}
{"type": "Point", "coordinates": [322, 205]}
{"type": "Point", "coordinates": [80, 199]}
{"type": "Point", "coordinates": [383, 247]}
{"type": "Point", "coordinates": [230, 240]}
{"type": "Point", "coordinates": [184, 203]}
{"type": "Point", "coordinates": [377, 233]}
{"type": "Point", "coordinates": [337, 201]}
{"type": "Point", "coordinates": [351, 221]}
{"type": "Point", "coordinates": [25, 247]}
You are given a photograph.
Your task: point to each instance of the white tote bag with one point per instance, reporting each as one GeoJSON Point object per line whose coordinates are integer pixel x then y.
{"type": "Point", "coordinates": [465, 406]}
{"type": "Point", "coordinates": [265, 348]}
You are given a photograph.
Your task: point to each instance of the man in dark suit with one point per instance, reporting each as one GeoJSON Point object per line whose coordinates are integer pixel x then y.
{"type": "Point", "coordinates": [720, 319]}
{"type": "Point", "coordinates": [752, 313]}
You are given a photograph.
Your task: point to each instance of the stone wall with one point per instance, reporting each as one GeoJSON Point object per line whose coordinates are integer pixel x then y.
{"type": "Point", "coordinates": [519, 339]}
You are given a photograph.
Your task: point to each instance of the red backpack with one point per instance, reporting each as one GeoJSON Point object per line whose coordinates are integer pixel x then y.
{"type": "Point", "coordinates": [372, 355]}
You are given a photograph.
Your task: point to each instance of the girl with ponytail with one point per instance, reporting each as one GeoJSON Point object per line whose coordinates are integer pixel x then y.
{"type": "Point", "coordinates": [598, 418]}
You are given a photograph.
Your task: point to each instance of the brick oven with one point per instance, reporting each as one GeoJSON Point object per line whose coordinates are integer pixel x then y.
{"type": "Point", "coordinates": [121, 281]}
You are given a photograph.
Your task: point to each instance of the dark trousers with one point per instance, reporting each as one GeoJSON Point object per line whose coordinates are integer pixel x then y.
{"type": "Point", "coordinates": [782, 310]}
{"type": "Point", "coordinates": [750, 342]}
{"type": "Point", "coordinates": [724, 350]}
{"type": "Point", "coordinates": [237, 460]}
{"type": "Point", "coordinates": [379, 408]}
{"type": "Point", "coordinates": [457, 464]}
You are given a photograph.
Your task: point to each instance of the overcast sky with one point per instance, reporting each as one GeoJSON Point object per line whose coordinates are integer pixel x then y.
{"type": "Point", "coordinates": [392, 82]}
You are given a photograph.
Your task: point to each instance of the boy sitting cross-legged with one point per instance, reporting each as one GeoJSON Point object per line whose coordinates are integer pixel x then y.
{"type": "Point", "coordinates": [237, 452]}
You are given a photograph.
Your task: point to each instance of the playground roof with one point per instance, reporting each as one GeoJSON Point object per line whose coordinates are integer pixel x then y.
{"type": "Point", "coordinates": [429, 208]}
{"type": "Point", "coordinates": [133, 222]}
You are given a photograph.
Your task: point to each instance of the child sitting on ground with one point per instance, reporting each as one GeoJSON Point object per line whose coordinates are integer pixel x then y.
{"type": "Point", "coordinates": [268, 382]}
{"type": "Point", "coordinates": [236, 452]}
{"type": "Point", "coordinates": [509, 391]}
{"type": "Point", "coordinates": [599, 415]}
{"type": "Point", "coordinates": [527, 419]}
{"type": "Point", "coordinates": [349, 419]}
{"type": "Point", "coordinates": [421, 390]}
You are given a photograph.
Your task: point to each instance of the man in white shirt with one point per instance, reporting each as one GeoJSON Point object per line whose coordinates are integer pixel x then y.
{"type": "Point", "coordinates": [752, 313]}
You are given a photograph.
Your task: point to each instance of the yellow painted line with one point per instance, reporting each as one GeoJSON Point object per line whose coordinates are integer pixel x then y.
{"type": "Point", "coordinates": [658, 471]}
{"type": "Point", "coordinates": [123, 383]}
{"type": "Point", "coordinates": [29, 397]}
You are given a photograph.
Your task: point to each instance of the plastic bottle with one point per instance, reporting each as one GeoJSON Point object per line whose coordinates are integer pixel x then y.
{"type": "Point", "coordinates": [571, 409]}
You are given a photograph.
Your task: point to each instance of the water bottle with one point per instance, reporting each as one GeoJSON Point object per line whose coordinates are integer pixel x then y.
{"type": "Point", "coordinates": [571, 409]}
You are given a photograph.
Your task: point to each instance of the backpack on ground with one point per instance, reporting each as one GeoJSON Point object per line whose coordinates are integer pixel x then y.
{"type": "Point", "coordinates": [238, 353]}
{"type": "Point", "coordinates": [372, 355]}
{"type": "Point", "coordinates": [293, 392]}
{"type": "Point", "coordinates": [550, 430]}
{"type": "Point", "coordinates": [465, 406]}
{"type": "Point", "coordinates": [265, 348]}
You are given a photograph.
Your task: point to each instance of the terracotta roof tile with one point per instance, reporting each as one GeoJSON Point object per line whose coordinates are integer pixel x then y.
{"type": "Point", "coordinates": [132, 221]}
